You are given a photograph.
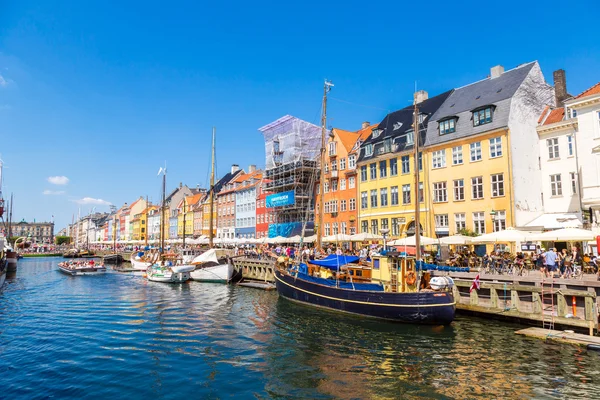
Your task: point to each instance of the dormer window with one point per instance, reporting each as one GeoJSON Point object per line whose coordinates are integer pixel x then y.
{"type": "Point", "coordinates": [422, 118]}
{"type": "Point", "coordinates": [571, 113]}
{"type": "Point", "coordinates": [369, 149]}
{"type": "Point", "coordinates": [410, 138]}
{"type": "Point", "coordinates": [482, 116]}
{"type": "Point", "coordinates": [376, 133]}
{"type": "Point", "coordinates": [447, 126]}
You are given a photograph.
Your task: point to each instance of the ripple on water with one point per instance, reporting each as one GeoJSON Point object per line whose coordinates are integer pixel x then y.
{"type": "Point", "coordinates": [118, 335]}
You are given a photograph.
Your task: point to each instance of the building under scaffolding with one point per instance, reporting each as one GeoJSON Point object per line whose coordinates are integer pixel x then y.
{"type": "Point", "coordinates": [292, 148]}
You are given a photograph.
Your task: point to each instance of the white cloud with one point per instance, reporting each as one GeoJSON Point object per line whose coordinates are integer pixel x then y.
{"type": "Point", "coordinates": [58, 180]}
{"type": "Point", "coordinates": [3, 82]}
{"type": "Point", "coordinates": [53, 192]}
{"type": "Point", "coordinates": [91, 200]}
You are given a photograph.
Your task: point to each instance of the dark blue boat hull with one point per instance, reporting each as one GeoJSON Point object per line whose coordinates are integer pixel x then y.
{"type": "Point", "coordinates": [436, 308]}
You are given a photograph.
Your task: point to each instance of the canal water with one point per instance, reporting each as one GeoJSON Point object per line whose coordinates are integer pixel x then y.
{"type": "Point", "coordinates": [119, 336]}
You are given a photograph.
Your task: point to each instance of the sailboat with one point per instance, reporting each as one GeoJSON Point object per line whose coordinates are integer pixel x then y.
{"type": "Point", "coordinates": [214, 265]}
{"type": "Point", "coordinates": [169, 268]}
{"type": "Point", "coordinates": [391, 287]}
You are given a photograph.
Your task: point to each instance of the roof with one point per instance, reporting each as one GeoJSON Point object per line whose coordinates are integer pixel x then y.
{"type": "Point", "coordinates": [591, 91]}
{"type": "Point", "coordinates": [191, 200]}
{"type": "Point", "coordinates": [496, 92]}
{"type": "Point", "coordinates": [552, 115]}
{"type": "Point", "coordinates": [347, 138]}
{"type": "Point", "coordinates": [224, 181]}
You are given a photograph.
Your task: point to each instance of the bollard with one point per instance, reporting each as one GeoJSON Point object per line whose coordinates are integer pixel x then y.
{"type": "Point", "coordinates": [574, 304]}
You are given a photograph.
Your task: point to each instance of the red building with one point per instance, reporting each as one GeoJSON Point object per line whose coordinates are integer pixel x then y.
{"type": "Point", "coordinates": [263, 216]}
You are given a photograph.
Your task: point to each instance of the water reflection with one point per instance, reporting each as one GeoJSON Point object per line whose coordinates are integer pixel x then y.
{"type": "Point", "coordinates": [209, 340]}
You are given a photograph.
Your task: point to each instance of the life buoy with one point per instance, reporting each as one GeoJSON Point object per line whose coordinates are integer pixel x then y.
{"type": "Point", "coordinates": [411, 278]}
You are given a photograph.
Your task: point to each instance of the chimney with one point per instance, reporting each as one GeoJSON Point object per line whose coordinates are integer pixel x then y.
{"type": "Point", "coordinates": [365, 124]}
{"type": "Point", "coordinates": [234, 168]}
{"type": "Point", "coordinates": [251, 168]}
{"type": "Point", "coordinates": [496, 71]}
{"type": "Point", "coordinates": [421, 96]}
{"type": "Point", "coordinates": [560, 87]}
{"type": "Point", "coordinates": [180, 185]}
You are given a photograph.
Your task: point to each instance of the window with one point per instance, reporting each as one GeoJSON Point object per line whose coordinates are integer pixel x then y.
{"type": "Point", "coordinates": [342, 184]}
{"type": "Point", "coordinates": [364, 197]}
{"type": "Point", "coordinates": [376, 133]}
{"type": "Point", "coordinates": [384, 197]}
{"type": "Point", "coordinates": [447, 126]}
{"type": "Point", "coordinates": [395, 227]}
{"type": "Point", "coordinates": [384, 223]}
{"type": "Point", "coordinates": [570, 144]}
{"type": "Point", "coordinates": [334, 185]}
{"type": "Point", "coordinates": [335, 228]}
{"type": "Point", "coordinates": [405, 164]}
{"type": "Point", "coordinates": [499, 221]}
{"type": "Point", "coordinates": [373, 171]}
{"type": "Point", "coordinates": [460, 222]}
{"type": "Point", "coordinates": [394, 194]}
{"type": "Point", "coordinates": [420, 158]}
{"type": "Point", "coordinates": [571, 113]}
{"type": "Point", "coordinates": [405, 194]}
{"type": "Point", "coordinates": [342, 164]}
{"type": "Point", "coordinates": [457, 157]}
{"type": "Point", "coordinates": [369, 150]}
{"type": "Point", "coordinates": [326, 168]}
{"type": "Point", "coordinates": [327, 229]}
{"type": "Point", "coordinates": [439, 159]}
{"type": "Point", "coordinates": [479, 222]}
{"type": "Point", "coordinates": [497, 185]}
{"type": "Point", "coordinates": [459, 190]}
{"type": "Point", "coordinates": [382, 169]}
{"type": "Point", "coordinates": [363, 173]}
{"type": "Point", "coordinates": [439, 192]}
{"type": "Point", "coordinates": [477, 187]}
{"type": "Point", "coordinates": [475, 151]}
{"type": "Point", "coordinates": [326, 187]}
{"type": "Point", "coordinates": [482, 117]}
{"type": "Point", "coordinates": [352, 161]}
{"type": "Point", "coordinates": [343, 205]}
{"type": "Point", "coordinates": [573, 183]}
{"type": "Point", "coordinates": [552, 148]}
{"type": "Point", "coordinates": [351, 182]}
{"type": "Point", "coordinates": [393, 166]}
{"type": "Point", "coordinates": [352, 204]}
{"type": "Point", "coordinates": [374, 227]}
{"type": "Point", "coordinates": [334, 165]}
{"type": "Point", "coordinates": [332, 148]}
{"type": "Point", "coordinates": [421, 192]}
{"type": "Point", "coordinates": [441, 220]}
{"type": "Point", "coordinates": [556, 185]}
{"type": "Point", "coordinates": [343, 227]}
{"type": "Point", "coordinates": [373, 198]}
{"type": "Point", "coordinates": [496, 147]}
{"type": "Point", "coordinates": [410, 138]}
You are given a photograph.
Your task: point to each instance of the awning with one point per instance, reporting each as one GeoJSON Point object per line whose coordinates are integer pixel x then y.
{"type": "Point", "coordinates": [556, 221]}
{"type": "Point", "coordinates": [334, 261]}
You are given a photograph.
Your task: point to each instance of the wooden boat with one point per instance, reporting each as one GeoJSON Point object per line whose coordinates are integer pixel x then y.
{"type": "Point", "coordinates": [389, 289]}
{"type": "Point", "coordinates": [142, 261]}
{"type": "Point", "coordinates": [215, 265]}
{"type": "Point", "coordinates": [112, 259]}
{"type": "Point", "coordinates": [81, 268]}
{"type": "Point", "coordinates": [169, 273]}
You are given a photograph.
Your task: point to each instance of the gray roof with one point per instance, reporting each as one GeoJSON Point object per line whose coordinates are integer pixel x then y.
{"type": "Point", "coordinates": [497, 92]}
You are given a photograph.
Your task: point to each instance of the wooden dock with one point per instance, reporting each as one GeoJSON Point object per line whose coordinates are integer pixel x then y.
{"type": "Point", "coordinates": [589, 342]}
{"type": "Point", "coordinates": [256, 269]}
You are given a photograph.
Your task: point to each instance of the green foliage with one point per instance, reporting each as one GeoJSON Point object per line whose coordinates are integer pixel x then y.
{"type": "Point", "coordinates": [467, 232]}
{"type": "Point", "coordinates": [62, 240]}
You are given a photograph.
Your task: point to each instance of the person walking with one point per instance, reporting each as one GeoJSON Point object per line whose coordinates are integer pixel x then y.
{"type": "Point", "coordinates": [550, 258]}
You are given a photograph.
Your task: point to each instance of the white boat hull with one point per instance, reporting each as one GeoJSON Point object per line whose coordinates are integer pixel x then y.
{"type": "Point", "coordinates": [82, 271]}
{"type": "Point", "coordinates": [221, 273]}
{"type": "Point", "coordinates": [139, 265]}
{"type": "Point", "coordinates": [2, 278]}
{"type": "Point", "coordinates": [167, 275]}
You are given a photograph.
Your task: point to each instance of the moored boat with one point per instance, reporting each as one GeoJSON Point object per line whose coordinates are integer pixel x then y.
{"type": "Point", "coordinates": [169, 273]}
{"type": "Point", "coordinates": [81, 268]}
{"type": "Point", "coordinates": [112, 259]}
{"type": "Point", "coordinates": [141, 261]}
{"type": "Point", "coordinates": [215, 265]}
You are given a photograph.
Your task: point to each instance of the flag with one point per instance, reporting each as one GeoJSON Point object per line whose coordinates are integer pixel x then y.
{"type": "Point", "coordinates": [476, 284]}
{"type": "Point", "coordinates": [160, 171]}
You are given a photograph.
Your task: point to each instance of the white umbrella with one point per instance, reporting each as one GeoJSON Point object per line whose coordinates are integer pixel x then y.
{"type": "Point", "coordinates": [361, 237]}
{"type": "Point", "coordinates": [566, 235]}
{"type": "Point", "coordinates": [294, 239]}
{"type": "Point", "coordinates": [275, 240]}
{"type": "Point", "coordinates": [509, 235]}
{"type": "Point", "coordinates": [340, 237]}
{"type": "Point", "coordinates": [310, 239]}
{"type": "Point", "coordinates": [412, 241]}
{"type": "Point", "coordinates": [455, 239]}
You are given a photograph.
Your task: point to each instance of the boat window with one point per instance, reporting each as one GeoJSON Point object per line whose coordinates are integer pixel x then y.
{"type": "Point", "coordinates": [358, 272]}
{"type": "Point", "coordinates": [376, 263]}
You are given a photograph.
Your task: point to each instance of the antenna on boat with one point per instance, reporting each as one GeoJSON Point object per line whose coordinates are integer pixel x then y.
{"type": "Point", "coordinates": [326, 88]}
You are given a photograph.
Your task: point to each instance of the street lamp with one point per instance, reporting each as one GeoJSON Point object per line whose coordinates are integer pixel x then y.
{"type": "Point", "coordinates": [384, 232]}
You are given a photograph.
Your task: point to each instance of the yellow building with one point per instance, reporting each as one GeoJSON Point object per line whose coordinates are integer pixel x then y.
{"type": "Point", "coordinates": [186, 214]}
{"type": "Point", "coordinates": [135, 226]}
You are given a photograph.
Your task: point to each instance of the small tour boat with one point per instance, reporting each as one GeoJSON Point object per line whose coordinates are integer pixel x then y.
{"type": "Point", "coordinates": [81, 267]}
{"type": "Point", "coordinates": [215, 265]}
{"type": "Point", "coordinates": [169, 273]}
{"type": "Point", "coordinates": [390, 288]}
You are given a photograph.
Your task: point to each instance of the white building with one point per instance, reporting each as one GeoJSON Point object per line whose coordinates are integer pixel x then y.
{"type": "Point", "coordinates": [154, 223]}
{"type": "Point", "coordinates": [587, 109]}
{"type": "Point", "coordinates": [245, 203]}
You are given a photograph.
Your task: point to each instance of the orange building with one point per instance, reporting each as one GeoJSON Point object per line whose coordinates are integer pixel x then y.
{"type": "Point", "coordinates": [341, 186]}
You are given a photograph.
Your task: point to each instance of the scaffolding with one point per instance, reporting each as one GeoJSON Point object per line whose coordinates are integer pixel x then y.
{"type": "Point", "coordinates": [292, 149]}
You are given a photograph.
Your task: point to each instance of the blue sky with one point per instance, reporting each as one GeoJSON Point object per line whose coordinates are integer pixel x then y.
{"type": "Point", "coordinates": [104, 93]}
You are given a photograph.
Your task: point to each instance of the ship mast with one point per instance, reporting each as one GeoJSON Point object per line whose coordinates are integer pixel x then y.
{"type": "Point", "coordinates": [162, 216]}
{"type": "Point", "coordinates": [417, 199]}
{"type": "Point", "coordinates": [212, 189]}
{"type": "Point", "coordinates": [326, 88]}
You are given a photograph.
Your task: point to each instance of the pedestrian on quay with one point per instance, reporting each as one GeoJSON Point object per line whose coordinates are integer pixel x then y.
{"type": "Point", "coordinates": [550, 258]}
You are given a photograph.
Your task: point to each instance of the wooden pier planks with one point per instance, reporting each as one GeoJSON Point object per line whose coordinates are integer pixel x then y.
{"type": "Point", "coordinates": [561, 337]}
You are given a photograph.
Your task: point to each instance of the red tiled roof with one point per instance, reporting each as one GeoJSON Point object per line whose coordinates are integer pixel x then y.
{"type": "Point", "coordinates": [593, 90]}
{"type": "Point", "coordinates": [555, 115]}
{"type": "Point", "coordinates": [543, 114]}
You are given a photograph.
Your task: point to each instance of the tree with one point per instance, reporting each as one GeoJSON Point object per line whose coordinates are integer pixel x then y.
{"type": "Point", "coordinates": [467, 232]}
{"type": "Point", "coordinates": [62, 240]}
